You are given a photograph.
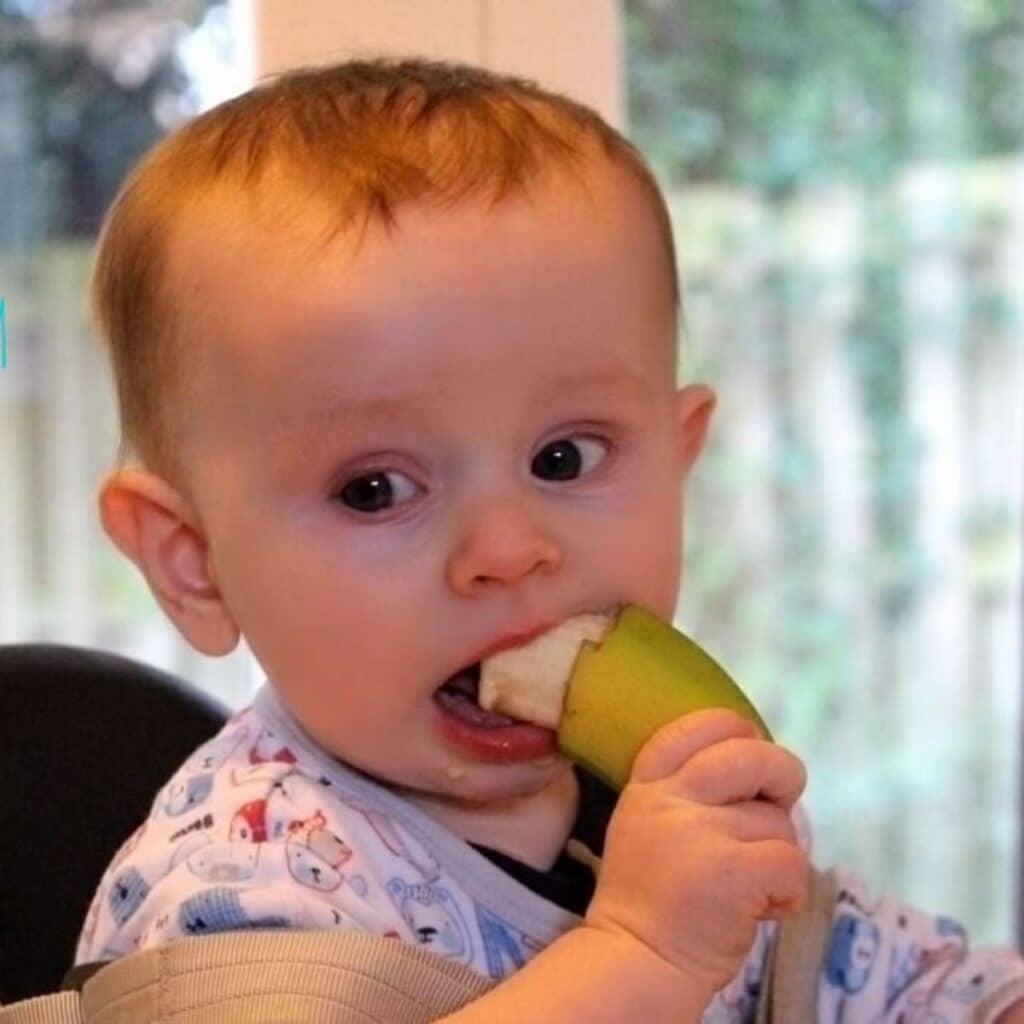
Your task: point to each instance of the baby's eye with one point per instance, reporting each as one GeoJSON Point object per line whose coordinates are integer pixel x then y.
{"type": "Point", "coordinates": [566, 459]}
{"type": "Point", "coordinates": [374, 492]}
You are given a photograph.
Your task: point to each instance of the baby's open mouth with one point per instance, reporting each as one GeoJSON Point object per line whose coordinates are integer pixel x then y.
{"type": "Point", "coordinates": [460, 695]}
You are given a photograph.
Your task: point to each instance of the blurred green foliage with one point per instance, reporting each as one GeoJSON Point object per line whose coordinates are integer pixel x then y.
{"type": "Point", "coordinates": [776, 94]}
{"type": "Point", "coordinates": [80, 86]}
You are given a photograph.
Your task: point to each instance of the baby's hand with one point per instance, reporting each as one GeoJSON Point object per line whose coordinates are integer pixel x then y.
{"type": "Point", "coordinates": [700, 847]}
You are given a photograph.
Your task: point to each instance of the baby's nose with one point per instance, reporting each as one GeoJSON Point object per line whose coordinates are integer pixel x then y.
{"type": "Point", "coordinates": [502, 543]}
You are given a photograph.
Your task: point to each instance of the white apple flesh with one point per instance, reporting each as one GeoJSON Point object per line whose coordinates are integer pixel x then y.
{"type": "Point", "coordinates": [529, 682]}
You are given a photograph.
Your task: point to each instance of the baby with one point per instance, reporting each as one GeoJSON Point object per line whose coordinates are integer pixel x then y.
{"type": "Point", "coordinates": [395, 352]}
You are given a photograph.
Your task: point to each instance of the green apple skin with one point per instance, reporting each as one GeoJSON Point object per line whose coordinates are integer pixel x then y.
{"type": "Point", "coordinates": [643, 674]}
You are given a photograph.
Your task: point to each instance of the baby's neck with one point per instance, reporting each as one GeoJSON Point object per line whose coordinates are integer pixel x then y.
{"type": "Point", "coordinates": [532, 829]}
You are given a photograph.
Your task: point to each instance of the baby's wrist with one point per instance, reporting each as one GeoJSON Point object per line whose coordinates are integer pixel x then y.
{"type": "Point", "coordinates": [689, 989]}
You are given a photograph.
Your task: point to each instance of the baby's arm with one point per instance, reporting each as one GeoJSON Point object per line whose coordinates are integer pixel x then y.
{"type": "Point", "coordinates": [886, 962]}
{"type": "Point", "coordinates": [593, 976]}
{"type": "Point", "coordinates": [700, 849]}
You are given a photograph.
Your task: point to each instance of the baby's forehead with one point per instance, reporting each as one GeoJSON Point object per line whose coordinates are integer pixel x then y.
{"type": "Point", "coordinates": [285, 217]}
{"type": "Point", "coordinates": [222, 237]}
{"type": "Point", "coordinates": [228, 265]}
{"type": "Point", "coordinates": [248, 270]}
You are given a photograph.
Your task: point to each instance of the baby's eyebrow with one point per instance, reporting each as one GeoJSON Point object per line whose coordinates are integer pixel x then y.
{"type": "Point", "coordinates": [412, 404]}
{"type": "Point", "coordinates": [349, 409]}
{"type": "Point", "coordinates": [620, 380]}
{"type": "Point", "coordinates": [415, 407]}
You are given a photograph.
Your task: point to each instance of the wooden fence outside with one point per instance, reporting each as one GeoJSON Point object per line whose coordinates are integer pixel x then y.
{"type": "Point", "coordinates": [891, 663]}
{"type": "Point", "coordinates": [61, 579]}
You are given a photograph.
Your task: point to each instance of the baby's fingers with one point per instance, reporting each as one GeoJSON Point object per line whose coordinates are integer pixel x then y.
{"type": "Point", "coordinates": [740, 769]}
{"type": "Point", "coordinates": [775, 874]}
{"type": "Point", "coordinates": [679, 740]}
{"type": "Point", "coordinates": [756, 820]}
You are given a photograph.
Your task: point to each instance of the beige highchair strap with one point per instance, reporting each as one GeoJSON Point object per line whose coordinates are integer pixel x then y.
{"type": "Point", "coordinates": [282, 976]}
{"type": "Point", "coordinates": [792, 973]}
{"type": "Point", "coordinates": [278, 975]}
{"type": "Point", "coordinates": [60, 1008]}
{"type": "Point", "coordinates": [321, 977]}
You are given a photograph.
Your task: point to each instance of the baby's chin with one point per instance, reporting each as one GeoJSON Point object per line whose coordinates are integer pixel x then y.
{"type": "Point", "coordinates": [477, 784]}
{"type": "Point", "coordinates": [486, 783]}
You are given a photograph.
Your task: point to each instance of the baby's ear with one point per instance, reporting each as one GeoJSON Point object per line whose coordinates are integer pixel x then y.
{"type": "Point", "coordinates": [155, 526]}
{"type": "Point", "coordinates": [694, 406]}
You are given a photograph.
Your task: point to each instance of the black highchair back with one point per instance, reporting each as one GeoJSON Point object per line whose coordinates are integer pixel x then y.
{"type": "Point", "coordinates": [87, 738]}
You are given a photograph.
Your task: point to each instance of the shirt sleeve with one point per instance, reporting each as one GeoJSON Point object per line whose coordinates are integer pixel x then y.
{"type": "Point", "coordinates": [232, 845]}
{"type": "Point", "coordinates": [888, 963]}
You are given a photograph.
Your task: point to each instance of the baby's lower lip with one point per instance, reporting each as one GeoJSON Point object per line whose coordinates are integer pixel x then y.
{"type": "Point", "coordinates": [502, 744]}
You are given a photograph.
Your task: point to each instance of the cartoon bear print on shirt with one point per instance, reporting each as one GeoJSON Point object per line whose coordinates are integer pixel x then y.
{"type": "Point", "coordinates": [965, 983]}
{"type": "Point", "coordinates": [909, 960]}
{"type": "Point", "coordinates": [249, 823]}
{"type": "Point", "coordinates": [919, 1014]}
{"type": "Point", "coordinates": [315, 853]}
{"type": "Point", "coordinates": [185, 794]}
{"type": "Point", "coordinates": [951, 929]}
{"type": "Point", "coordinates": [500, 944]}
{"type": "Point", "coordinates": [194, 782]}
{"type": "Point", "coordinates": [433, 916]}
{"type": "Point", "coordinates": [267, 816]}
{"type": "Point", "coordinates": [126, 894]}
{"type": "Point", "coordinates": [291, 800]}
{"type": "Point", "coordinates": [851, 953]}
{"type": "Point", "coordinates": [414, 854]}
{"type": "Point", "coordinates": [269, 747]}
{"type": "Point", "coordinates": [854, 894]}
{"type": "Point", "coordinates": [359, 885]}
{"type": "Point", "coordinates": [221, 910]}
{"type": "Point", "coordinates": [224, 862]}
{"type": "Point", "coordinates": [186, 847]}
{"type": "Point", "coordinates": [962, 985]}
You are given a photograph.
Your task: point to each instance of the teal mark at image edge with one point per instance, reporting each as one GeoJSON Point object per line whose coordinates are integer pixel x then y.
{"type": "Point", "coordinates": [3, 334]}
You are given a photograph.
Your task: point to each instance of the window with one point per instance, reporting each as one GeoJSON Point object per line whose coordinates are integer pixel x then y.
{"type": "Point", "coordinates": [85, 88]}
{"type": "Point", "coordinates": [845, 180]}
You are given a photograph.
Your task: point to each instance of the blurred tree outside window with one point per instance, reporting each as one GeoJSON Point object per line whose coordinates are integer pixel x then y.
{"type": "Point", "coordinates": [847, 185]}
{"type": "Point", "coordinates": [85, 88]}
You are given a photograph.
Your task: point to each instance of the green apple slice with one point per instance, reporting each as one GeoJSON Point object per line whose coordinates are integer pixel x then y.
{"type": "Point", "coordinates": [607, 682]}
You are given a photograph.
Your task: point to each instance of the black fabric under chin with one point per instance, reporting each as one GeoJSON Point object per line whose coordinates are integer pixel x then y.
{"type": "Point", "coordinates": [568, 883]}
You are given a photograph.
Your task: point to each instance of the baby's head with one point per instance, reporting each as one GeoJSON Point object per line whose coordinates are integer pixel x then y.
{"type": "Point", "coordinates": [395, 353]}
